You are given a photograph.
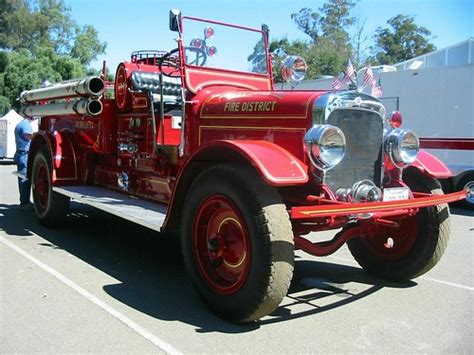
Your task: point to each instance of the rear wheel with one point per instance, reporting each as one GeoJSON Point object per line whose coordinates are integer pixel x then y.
{"type": "Point", "coordinates": [50, 207]}
{"type": "Point", "coordinates": [237, 243]}
{"type": "Point", "coordinates": [412, 249]}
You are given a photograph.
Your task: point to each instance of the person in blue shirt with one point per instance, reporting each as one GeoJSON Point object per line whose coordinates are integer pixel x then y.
{"type": "Point", "coordinates": [23, 135]}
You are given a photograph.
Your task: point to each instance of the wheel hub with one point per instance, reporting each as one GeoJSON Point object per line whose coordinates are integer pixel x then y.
{"type": "Point", "coordinates": [469, 187]}
{"type": "Point", "coordinates": [221, 244]}
{"type": "Point", "coordinates": [391, 243]}
{"type": "Point", "coordinates": [41, 186]}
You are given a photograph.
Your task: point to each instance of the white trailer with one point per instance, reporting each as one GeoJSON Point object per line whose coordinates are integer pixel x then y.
{"type": "Point", "coordinates": [435, 94]}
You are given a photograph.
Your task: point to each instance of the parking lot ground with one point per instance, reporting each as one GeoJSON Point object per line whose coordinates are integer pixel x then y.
{"type": "Point", "coordinates": [101, 284]}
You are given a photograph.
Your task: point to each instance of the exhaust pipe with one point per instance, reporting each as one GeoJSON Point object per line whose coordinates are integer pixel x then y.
{"type": "Point", "coordinates": [88, 107]}
{"type": "Point", "coordinates": [93, 86]}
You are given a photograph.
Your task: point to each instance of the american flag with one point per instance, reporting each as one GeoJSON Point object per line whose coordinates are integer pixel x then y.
{"type": "Point", "coordinates": [377, 90]}
{"type": "Point", "coordinates": [337, 83]}
{"type": "Point", "coordinates": [369, 77]}
{"type": "Point", "coordinates": [350, 72]}
{"type": "Point", "coordinates": [348, 75]}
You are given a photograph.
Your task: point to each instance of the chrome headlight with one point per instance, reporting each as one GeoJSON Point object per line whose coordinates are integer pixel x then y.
{"type": "Point", "coordinates": [402, 146]}
{"type": "Point", "coordinates": [326, 145]}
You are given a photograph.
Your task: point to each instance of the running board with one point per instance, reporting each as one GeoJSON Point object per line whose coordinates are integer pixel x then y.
{"type": "Point", "coordinates": [146, 213]}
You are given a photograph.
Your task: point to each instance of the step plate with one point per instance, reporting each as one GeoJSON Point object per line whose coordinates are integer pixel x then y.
{"type": "Point", "coordinates": [146, 213]}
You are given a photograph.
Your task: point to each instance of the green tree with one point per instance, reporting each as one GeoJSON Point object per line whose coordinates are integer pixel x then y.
{"type": "Point", "coordinates": [87, 45]}
{"type": "Point", "coordinates": [332, 21]}
{"type": "Point", "coordinates": [308, 22]}
{"type": "Point", "coordinates": [35, 24]}
{"type": "Point", "coordinates": [336, 20]}
{"type": "Point", "coordinates": [39, 40]}
{"type": "Point", "coordinates": [328, 47]}
{"type": "Point", "coordinates": [403, 41]}
{"type": "Point", "coordinates": [23, 70]}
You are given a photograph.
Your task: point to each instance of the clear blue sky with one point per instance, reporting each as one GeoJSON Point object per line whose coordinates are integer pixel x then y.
{"type": "Point", "coordinates": [128, 25]}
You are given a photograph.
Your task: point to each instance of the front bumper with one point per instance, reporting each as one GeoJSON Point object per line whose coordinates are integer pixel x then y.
{"type": "Point", "coordinates": [348, 209]}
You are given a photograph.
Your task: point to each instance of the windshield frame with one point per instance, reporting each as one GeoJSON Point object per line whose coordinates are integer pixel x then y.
{"type": "Point", "coordinates": [264, 35]}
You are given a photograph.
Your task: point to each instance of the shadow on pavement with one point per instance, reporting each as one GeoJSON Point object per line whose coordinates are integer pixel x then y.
{"type": "Point", "coordinates": [153, 279]}
{"type": "Point", "coordinates": [6, 162]}
{"type": "Point", "coordinates": [323, 286]}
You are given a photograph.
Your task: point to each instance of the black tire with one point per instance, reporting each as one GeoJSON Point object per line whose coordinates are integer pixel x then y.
{"type": "Point", "coordinates": [467, 181]}
{"type": "Point", "coordinates": [51, 208]}
{"type": "Point", "coordinates": [238, 191]}
{"type": "Point", "coordinates": [424, 249]}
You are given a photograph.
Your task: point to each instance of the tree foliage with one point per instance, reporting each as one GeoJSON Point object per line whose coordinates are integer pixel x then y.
{"type": "Point", "coordinates": [40, 40]}
{"type": "Point", "coordinates": [308, 22]}
{"type": "Point", "coordinates": [36, 24]}
{"type": "Point", "coordinates": [328, 46]}
{"type": "Point", "coordinates": [403, 41]}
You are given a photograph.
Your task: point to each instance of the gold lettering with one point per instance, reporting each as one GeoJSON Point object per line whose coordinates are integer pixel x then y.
{"type": "Point", "coordinates": [250, 106]}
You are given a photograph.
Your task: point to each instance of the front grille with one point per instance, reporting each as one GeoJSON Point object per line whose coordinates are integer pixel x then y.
{"type": "Point", "coordinates": [363, 158]}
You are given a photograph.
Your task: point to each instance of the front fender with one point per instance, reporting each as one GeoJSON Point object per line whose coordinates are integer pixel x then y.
{"type": "Point", "coordinates": [431, 166]}
{"type": "Point", "coordinates": [276, 165]}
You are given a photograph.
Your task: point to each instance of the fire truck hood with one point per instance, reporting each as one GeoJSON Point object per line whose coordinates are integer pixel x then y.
{"type": "Point", "coordinates": [261, 104]}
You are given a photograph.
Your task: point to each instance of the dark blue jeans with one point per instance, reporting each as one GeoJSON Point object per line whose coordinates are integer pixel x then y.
{"type": "Point", "coordinates": [24, 185]}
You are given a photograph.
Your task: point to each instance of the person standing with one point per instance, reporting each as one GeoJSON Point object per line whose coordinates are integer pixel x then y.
{"type": "Point", "coordinates": [23, 135]}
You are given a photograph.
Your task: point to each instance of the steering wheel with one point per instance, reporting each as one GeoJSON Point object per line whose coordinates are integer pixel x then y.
{"type": "Point", "coordinates": [199, 60]}
{"type": "Point", "coordinates": [201, 56]}
{"type": "Point", "coordinates": [166, 60]}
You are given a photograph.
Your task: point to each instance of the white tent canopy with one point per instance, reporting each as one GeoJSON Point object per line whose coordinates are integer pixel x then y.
{"type": "Point", "coordinates": [7, 133]}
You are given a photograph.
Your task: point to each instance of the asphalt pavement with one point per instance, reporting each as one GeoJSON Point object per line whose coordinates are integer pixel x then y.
{"type": "Point", "coordinates": [100, 284]}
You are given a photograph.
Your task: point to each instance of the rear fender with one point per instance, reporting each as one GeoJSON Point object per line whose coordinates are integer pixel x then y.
{"type": "Point", "coordinates": [276, 166]}
{"type": "Point", "coordinates": [431, 166]}
{"type": "Point", "coordinates": [62, 153]}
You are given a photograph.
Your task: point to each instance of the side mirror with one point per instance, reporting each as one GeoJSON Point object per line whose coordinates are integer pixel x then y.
{"type": "Point", "coordinates": [175, 20]}
{"type": "Point", "coordinates": [294, 69]}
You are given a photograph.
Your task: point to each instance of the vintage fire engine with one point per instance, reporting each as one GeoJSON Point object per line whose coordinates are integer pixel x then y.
{"type": "Point", "coordinates": [192, 141]}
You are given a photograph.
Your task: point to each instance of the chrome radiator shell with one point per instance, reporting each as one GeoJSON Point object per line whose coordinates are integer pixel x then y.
{"type": "Point", "coordinates": [361, 118]}
{"type": "Point", "coordinates": [364, 153]}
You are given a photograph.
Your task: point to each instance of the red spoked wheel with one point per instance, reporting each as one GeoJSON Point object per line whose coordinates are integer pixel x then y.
{"type": "Point", "coordinates": [391, 243]}
{"type": "Point", "coordinates": [412, 248]}
{"type": "Point", "coordinates": [221, 244]}
{"type": "Point", "coordinates": [237, 242]}
{"type": "Point", "coordinates": [51, 208]}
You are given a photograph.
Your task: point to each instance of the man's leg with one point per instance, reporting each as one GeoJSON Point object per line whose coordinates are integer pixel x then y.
{"type": "Point", "coordinates": [23, 184]}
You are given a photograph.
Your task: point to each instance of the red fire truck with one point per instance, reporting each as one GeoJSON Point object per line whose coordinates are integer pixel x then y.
{"type": "Point", "coordinates": [188, 143]}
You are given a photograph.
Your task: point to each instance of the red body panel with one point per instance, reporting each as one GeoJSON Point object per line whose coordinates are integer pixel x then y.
{"type": "Point", "coordinates": [279, 117]}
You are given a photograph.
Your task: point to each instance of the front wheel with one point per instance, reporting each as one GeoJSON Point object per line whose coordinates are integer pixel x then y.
{"type": "Point", "coordinates": [237, 243]}
{"type": "Point", "coordinates": [412, 249]}
{"type": "Point", "coordinates": [50, 207]}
